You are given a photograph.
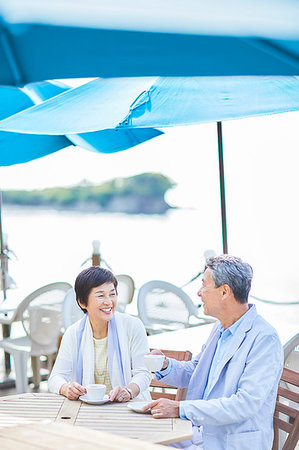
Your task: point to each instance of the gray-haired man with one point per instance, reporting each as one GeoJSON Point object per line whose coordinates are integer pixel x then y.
{"type": "Point", "coordinates": [232, 383]}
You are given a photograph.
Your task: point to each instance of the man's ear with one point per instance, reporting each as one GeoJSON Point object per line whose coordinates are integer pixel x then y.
{"type": "Point", "coordinates": [226, 291]}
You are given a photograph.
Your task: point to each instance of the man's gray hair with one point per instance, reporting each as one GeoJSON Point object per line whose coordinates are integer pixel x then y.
{"type": "Point", "coordinates": [234, 272]}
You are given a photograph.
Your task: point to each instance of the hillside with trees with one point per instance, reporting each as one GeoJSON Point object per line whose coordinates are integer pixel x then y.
{"type": "Point", "coordinates": [139, 194]}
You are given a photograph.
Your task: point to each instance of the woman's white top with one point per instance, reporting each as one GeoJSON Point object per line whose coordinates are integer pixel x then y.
{"type": "Point", "coordinates": [133, 346]}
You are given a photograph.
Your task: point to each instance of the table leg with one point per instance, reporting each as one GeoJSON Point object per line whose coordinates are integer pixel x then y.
{"type": "Point", "coordinates": [6, 334]}
{"type": "Point", "coordinates": [35, 364]}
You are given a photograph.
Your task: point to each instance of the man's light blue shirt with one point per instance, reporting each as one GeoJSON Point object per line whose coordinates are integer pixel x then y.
{"type": "Point", "coordinates": [225, 338]}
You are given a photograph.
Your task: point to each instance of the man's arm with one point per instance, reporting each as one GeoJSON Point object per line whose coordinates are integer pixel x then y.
{"type": "Point", "coordinates": [182, 371]}
{"type": "Point", "coordinates": [260, 376]}
{"type": "Point", "coordinates": [179, 374]}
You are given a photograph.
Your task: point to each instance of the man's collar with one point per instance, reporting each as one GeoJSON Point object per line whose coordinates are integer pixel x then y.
{"type": "Point", "coordinates": [232, 329]}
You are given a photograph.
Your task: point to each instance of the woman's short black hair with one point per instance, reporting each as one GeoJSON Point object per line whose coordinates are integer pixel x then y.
{"type": "Point", "coordinates": [90, 278]}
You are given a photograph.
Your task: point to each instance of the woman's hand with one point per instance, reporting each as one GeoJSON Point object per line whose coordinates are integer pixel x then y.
{"type": "Point", "coordinates": [72, 391]}
{"type": "Point", "coordinates": [122, 394]}
{"type": "Point", "coordinates": [119, 394]}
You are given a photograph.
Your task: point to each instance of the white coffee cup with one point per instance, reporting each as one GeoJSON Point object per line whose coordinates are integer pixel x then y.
{"type": "Point", "coordinates": [96, 391]}
{"type": "Point", "coordinates": [154, 362]}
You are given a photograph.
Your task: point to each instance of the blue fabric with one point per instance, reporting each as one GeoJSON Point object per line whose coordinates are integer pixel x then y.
{"type": "Point", "coordinates": [113, 347]}
{"type": "Point", "coordinates": [12, 101]}
{"type": "Point", "coordinates": [80, 331]}
{"type": "Point", "coordinates": [34, 46]}
{"type": "Point", "coordinates": [185, 101]}
{"type": "Point", "coordinates": [239, 405]}
{"type": "Point", "coordinates": [113, 140]}
{"type": "Point", "coordinates": [223, 344]}
{"type": "Point", "coordinates": [229, 42]}
{"type": "Point", "coordinates": [39, 92]}
{"type": "Point", "coordinates": [94, 106]}
{"type": "Point", "coordinates": [17, 148]}
{"type": "Point", "coordinates": [162, 373]}
{"type": "Point", "coordinates": [156, 103]}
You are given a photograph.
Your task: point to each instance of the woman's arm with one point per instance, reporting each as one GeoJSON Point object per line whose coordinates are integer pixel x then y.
{"type": "Point", "coordinates": [61, 374]}
{"type": "Point", "coordinates": [138, 347]}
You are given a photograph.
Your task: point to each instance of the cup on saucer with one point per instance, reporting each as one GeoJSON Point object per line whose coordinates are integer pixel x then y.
{"type": "Point", "coordinates": [95, 391]}
{"type": "Point", "coordinates": [154, 362]}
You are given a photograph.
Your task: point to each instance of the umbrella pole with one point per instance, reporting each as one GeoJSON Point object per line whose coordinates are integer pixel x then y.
{"type": "Point", "coordinates": [3, 261]}
{"type": "Point", "coordinates": [2, 253]}
{"type": "Point", "coordinates": [222, 186]}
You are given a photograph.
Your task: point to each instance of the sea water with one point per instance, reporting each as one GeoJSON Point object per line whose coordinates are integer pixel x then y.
{"type": "Point", "coordinates": [56, 245]}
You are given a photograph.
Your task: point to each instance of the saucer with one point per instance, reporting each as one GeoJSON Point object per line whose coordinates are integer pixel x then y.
{"type": "Point", "coordinates": [137, 407]}
{"type": "Point", "coordinates": [84, 398]}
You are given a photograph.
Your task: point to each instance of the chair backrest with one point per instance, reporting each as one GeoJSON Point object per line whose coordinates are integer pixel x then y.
{"type": "Point", "coordinates": [45, 294]}
{"type": "Point", "coordinates": [125, 289]}
{"type": "Point", "coordinates": [41, 313]}
{"type": "Point", "coordinates": [291, 353]}
{"type": "Point", "coordinates": [172, 393]}
{"type": "Point", "coordinates": [71, 311]}
{"type": "Point", "coordinates": [160, 302]}
{"type": "Point", "coordinates": [286, 415]}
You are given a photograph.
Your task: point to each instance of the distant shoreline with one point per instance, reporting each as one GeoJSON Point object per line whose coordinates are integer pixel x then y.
{"type": "Point", "coordinates": [140, 194]}
{"type": "Point", "coordinates": [78, 209]}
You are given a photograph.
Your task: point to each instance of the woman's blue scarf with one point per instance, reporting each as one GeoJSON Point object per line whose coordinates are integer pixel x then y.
{"type": "Point", "coordinates": [113, 346]}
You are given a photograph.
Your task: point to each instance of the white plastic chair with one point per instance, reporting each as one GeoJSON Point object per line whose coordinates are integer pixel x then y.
{"type": "Point", "coordinates": [125, 289]}
{"type": "Point", "coordinates": [71, 311]}
{"type": "Point", "coordinates": [41, 316]}
{"type": "Point", "coordinates": [162, 306]}
{"type": "Point", "coordinates": [291, 356]}
{"type": "Point", "coordinates": [291, 353]}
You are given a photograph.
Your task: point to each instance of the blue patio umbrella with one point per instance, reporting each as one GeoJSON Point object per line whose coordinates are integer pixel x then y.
{"type": "Point", "coordinates": [63, 39]}
{"type": "Point", "coordinates": [19, 147]}
{"type": "Point", "coordinates": [74, 39]}
{"type": "Point", "coordinates": [115, 106]}
{"type": "Point", "coordinates": [154, 102]}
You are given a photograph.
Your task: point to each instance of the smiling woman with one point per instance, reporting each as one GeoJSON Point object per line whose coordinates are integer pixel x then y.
{"type": "Point", "coordinates": [105, 347]}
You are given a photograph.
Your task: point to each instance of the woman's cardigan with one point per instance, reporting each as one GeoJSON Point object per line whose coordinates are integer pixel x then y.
{"type": "Point", "coordinates": [133, 345]}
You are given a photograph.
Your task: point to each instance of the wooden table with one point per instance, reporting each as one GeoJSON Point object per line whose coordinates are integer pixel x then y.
{"type": "Point", "coordinates": [114, 418]}
{"type": "Point", "coordinates": [55, 436]}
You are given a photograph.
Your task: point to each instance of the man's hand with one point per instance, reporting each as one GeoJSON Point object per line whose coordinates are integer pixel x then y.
{"type": "Point", "coordinates": [158, 352]}
{"type": "Point", "coordinates": [72, 391]}
{"type": "Point", "coordinates": [163, 407]}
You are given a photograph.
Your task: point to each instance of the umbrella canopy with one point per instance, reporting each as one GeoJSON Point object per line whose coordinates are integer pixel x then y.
{"type": "Point", "coordinates": [18, 147]}
{"type": "Point", "coordinates": [74, 39]}
{"type": "Point", "coordinates": [131, 103]}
